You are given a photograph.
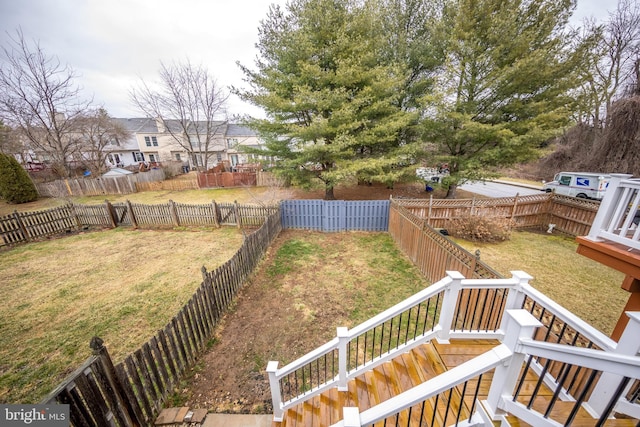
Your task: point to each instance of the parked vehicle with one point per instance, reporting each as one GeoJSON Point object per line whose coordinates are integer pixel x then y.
{"type": "Point", "coordinates": [585, 185]}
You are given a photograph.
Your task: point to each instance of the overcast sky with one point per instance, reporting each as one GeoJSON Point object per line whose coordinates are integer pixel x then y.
{"type": "Point", "coordinates": [112, 44]}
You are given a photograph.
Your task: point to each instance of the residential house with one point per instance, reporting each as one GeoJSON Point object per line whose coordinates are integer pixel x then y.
{"type": "Point", "coordinates": [127, 153]}
{"type": "Point", "coordinates": [158, 142]}
{"type": "Point", "coordinates": [238, 138]}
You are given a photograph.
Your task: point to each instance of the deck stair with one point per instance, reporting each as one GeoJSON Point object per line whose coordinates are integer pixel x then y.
{"type": "Point", "coordinates": [413, 368]}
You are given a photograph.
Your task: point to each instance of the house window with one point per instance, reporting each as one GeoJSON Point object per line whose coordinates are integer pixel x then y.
{"type": "Point", "coordinates": [219, 157]}
{"type": "Point", "coordinates": [197, 160]}
{"type": "Point", "coordinates": [178, 157]}
{"type": "Point", "coordinates": [138, 156]}
{"type": "Point", "coordinates": [151, 141]}
{"type": "Point", "coordinates": [231, 142]}
{"type": "Point", "coordinates": [114, 159]}
{"type": "Point", "coordinates": [153, 158]}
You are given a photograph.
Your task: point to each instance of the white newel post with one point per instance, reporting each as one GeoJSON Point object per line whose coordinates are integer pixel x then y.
{"type": "Point", "coordinates": [351, 417]}
{"type": "Point", "coordinates": [608, 205]}
{"type": "Point", "coordinates": [519, 324]}
{"type": "Point", "coordinates": [628, 345]}
{"type": "Point", "coordinates": [449, 305]}
{"type": "Point", "coordinates": [276, 397]}
{"type": "Point", "coordinates": [343, 340]}
{"type": "Point", "coordinates": [516, 295]}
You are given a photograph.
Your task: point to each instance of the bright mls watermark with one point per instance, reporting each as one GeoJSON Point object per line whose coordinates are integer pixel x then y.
{"type": "Point", "coordinates": [54, 415]}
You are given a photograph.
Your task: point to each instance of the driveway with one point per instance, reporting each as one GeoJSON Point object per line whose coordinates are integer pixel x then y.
{"type": "Point", "coordinates": [500, 189]}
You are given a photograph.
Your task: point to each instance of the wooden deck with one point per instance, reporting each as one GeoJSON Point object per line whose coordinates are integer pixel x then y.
{"type": "Point", "coordinates": [411, 369]}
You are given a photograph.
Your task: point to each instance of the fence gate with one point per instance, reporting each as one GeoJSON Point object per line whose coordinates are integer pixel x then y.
{"type": "Point", "coordinates": [336, 215]}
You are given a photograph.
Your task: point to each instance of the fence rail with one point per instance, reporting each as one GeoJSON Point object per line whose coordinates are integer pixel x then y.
{"type": "Point", "coordinates": [132, 392]}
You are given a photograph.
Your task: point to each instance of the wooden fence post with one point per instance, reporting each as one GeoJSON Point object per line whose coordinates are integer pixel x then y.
{"type": "Point", "coordinates": [100, 351]}
{"type": "Point", "coordinates": [205, 276]}
{"type": "Point", "coordinates": [430, 205]}
{"type": "Point", "coordinates": [66, 182]}
{"type": "Point", "coordinates": [23, 229]}
{"type": "Point", "coordinates": [134, 223]}
{"type": "Point", "coordinates": [75, 215]}
{"type": "Point", "coordinates": [174, 213]}
{"type": "Point", "coordinates": [237, 212]}
{"type": "Point", "coordinates": [515, 204]}
{"type": "Point", "coordinates": [215, 213]}
{"type": "Point", "coordinates": [112, 214]}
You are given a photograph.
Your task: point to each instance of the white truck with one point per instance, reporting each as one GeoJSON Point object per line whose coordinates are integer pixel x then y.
{"type": "Point", "coordinates": [585, 185]}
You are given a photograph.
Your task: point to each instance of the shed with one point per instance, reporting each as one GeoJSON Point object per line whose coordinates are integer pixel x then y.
{"type": "Point", "coordinates": [115, 172]}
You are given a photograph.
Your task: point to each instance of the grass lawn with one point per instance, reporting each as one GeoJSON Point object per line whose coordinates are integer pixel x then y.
{"type": "Point", "coordinates": [121, 285]}
{"type": "Point", "coordinates": [588, 289]}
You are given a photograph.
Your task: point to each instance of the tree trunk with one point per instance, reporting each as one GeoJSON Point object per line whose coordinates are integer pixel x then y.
{"type": "Point", "coordinates": [328, 192]}
{"type": "Point", "coordinates": [451, 191]}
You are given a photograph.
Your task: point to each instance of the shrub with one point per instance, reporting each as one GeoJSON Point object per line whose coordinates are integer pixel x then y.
{"type": "Point", "coordinates": [15, 184]}
{"type": "Point", "coordinates": [481, 228]}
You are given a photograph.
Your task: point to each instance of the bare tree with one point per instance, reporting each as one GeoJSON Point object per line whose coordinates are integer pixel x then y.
{"type": "Point", "coordinates": [97, 132]}
{"type": "Point", "coordinates": [617, 48]}
{"type": "Point", "coordinates": [38, 96]}
{"type": "Point", "coordinates": [190, 105]}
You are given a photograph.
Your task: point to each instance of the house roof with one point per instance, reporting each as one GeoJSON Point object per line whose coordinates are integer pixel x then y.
{"type": "Point", "coordinates": [239, 130]}
{"type": "Point", "coordinates": [116, 172]}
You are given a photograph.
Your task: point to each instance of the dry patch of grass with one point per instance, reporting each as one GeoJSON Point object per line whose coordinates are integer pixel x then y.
{"type": "Point", "coordinates": [121, 285]}
{"type": "Point", "coordinates": [587, 288]}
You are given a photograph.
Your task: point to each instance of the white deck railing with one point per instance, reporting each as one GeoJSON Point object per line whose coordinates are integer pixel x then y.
{"type": "Point", "coordinates": [492, 299]}
{"type": "Point", "coordinates": [618, 216]}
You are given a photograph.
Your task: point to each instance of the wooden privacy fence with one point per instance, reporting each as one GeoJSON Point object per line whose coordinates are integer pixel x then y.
{"type": "Point", "coordinates": [570, 215]}
{"type": "Point", "coordinates": [26, 226]}
{"type": "Point", "coordinates": [226, 179]}
{"type": "Point", "coordinates": [133, 392]}
{"type": "Point", "coordinates": [430, 251]}
{"type": "Point", "coordinates": [336, 215]}
{"type": "Point", "coordinates": [168, 185]}
{"type": "Point", "coordinates": [71, 187]}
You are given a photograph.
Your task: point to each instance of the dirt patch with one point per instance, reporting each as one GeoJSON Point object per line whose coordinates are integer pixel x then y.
{"type": "Point", "coordinates": [293, 305]}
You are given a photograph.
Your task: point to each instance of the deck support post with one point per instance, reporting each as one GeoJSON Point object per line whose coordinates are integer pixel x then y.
{"type": "Point", "coordinates": [276, 396]}
{"type": "Point", "coordinates": [449, 303]}
{"type": "Point", "coordinates": [343, 340]}
{"type": "Point", "coordinates": [519, 324]}
{"type": "Point", "coordinates": [629, 345]}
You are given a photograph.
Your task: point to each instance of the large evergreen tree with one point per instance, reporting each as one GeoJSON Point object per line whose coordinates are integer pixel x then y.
{"type": "Point", "coordinates": [504, 88]}
{"type": "Point", "coordinates": [15, 184]}
{"type": "Point", "coordinates": [333, 103]}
